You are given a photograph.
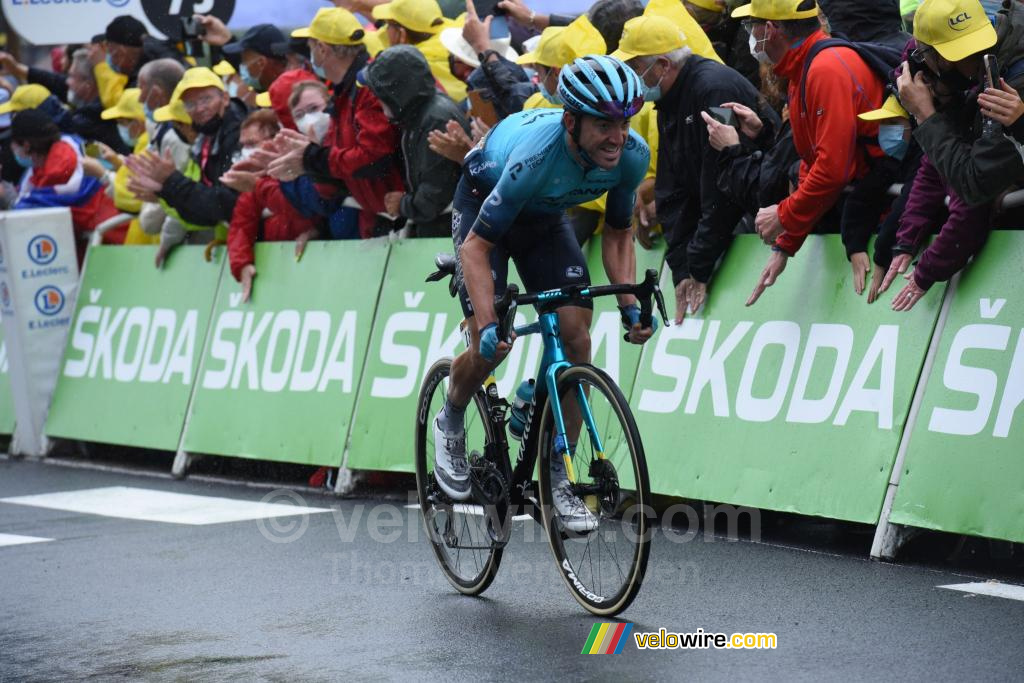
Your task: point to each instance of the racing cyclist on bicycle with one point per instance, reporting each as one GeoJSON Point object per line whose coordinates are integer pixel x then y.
{"type": "Point", "coordinates": [511, 201]}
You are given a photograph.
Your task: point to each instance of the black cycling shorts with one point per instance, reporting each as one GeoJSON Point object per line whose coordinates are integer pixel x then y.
{"type": "Point", "coordinates": [545, 251]}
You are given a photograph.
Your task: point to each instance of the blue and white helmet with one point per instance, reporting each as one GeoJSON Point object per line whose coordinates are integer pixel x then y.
{"type": "Point", "coordinates": [601, 86]}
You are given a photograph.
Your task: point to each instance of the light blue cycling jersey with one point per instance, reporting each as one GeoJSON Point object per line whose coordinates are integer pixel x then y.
{"type": "Point", "coordinates": [525, 167]}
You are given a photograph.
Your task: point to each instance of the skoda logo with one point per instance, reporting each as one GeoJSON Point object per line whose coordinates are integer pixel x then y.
{"type": "Point", "coordinates": [49, 300]}
{"type": "Point", "coordinates": [42, 250]}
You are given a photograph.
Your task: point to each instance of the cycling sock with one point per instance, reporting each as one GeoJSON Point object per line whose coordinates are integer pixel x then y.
{"type": "Point", "coordinates": [452, 418]}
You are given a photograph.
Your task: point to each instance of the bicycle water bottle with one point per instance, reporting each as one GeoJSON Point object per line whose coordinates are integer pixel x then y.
{"type": "Point", "coordinates": [521, 409]}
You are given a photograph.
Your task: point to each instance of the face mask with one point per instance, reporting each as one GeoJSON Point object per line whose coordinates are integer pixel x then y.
{"type": "Point", "coordinates": [24, 162]}
{"type": "Point", "coordinates": [250, 80]}
{"type": "Point", "coordinates": [246, 153]}
{"type": "Point", "coordinates": [760, 55]}
{"type": "Point", "coordinates": [232, 87]}
{"type": "Point", "coordinates": [148, 111]}
{"type": "Point", "coordinates": [126, 136]}
{"type": "Point", "coordinates": [210, 127]}
{"type": "Point", "coordinates": [890, 139]}
{"type": "Point", "coordinates": [318, 120]}
{"type": "Point", "coordinates": [110, 63]}
{"type": "Point", "coordinates": [317, 69]}
{"type": "Point", "coordinates": [548, 95]}
{"type": "Point", "coordinates": [652, 93]}
{"type": "Point", "coordinates": [73, 99]}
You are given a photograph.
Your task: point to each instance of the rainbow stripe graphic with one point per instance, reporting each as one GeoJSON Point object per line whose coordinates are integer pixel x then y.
{"type": "Point", "coordinates": [607, 639]}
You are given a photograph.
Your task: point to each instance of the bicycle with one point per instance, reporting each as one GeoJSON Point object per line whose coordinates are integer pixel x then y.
{"type": "Point", "coordinates": [602, 568]}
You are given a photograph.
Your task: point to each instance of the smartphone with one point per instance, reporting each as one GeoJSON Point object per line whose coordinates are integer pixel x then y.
{"type": "Point", "coordinates": [191, 29]}
{"type": "Point", "coordinates": [485, 8]}
{"type": "Point", "coordinates": [724, 115]}
{"type": "Point", "coordinates": [991, 71]}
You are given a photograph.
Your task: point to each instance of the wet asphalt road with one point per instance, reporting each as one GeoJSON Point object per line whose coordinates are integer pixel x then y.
{"type": "Point", "coordinates": [333, 597]}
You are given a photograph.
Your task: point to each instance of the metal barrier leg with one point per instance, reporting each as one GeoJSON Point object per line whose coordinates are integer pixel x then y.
{"type": "Point", "coordinates": [889, 537]}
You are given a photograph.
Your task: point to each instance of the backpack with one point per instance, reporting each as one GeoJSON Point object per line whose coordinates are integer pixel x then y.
{"type": "Point", "coordinates": [882, 59]}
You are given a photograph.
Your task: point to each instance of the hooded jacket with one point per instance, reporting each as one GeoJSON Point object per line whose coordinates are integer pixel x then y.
{"type": "Point", "coordinates": [866, 21]}
{"type": "Point", "coordinates": [360, 149]}
{"type": "Point", "coordinates": [207, 201]}
{"type": "Point", "coordinates": [977, 168]}
{"type": "Point", "coordinates": [831, 141]}
{"type": "Point", "coordinates": [401, 79]}
{"type": "Point", "coordinates": [698, 218]}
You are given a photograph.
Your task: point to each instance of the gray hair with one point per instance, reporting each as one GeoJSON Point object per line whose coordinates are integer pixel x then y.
{"type": "Point", "coordinates": [163, 72]}
{"type": "Point", "coordinates": [676, 57]}
{"type": "Point", "coordinates": [80, 65]}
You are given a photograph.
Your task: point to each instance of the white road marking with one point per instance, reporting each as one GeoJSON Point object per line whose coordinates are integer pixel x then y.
{"type": "Point", "coordinates": [160, 506]}
{"type": "Point", "coordinates": [12, 539]}
{"type": "Point", "coordinates": [991, 588]}
{"type": "Point", "coordinates": [474, 510]}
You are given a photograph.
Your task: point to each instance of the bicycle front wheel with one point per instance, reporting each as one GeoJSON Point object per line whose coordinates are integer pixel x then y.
{"type": "Point", "coordinates": [605, 567]}
{"type": "Point", "coordinates": [464, 536]}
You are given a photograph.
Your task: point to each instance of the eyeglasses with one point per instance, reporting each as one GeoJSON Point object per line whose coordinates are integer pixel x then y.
{"type": "Point", "coordinates": [921, 53]}
{"type": "Point", "coordinates": [749, 24]}
{"type": "Point", "coordinates": [201, 102]}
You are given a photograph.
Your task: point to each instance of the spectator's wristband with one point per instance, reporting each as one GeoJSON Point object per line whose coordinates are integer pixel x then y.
{"type": "Point", "coordinates": [489, 342]}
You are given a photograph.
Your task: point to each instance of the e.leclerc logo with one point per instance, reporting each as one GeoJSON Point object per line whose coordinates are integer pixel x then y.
{"type": "Point", "coordinates": [42, 250]}
{"type": "Point", "coordinates": [49, 300]}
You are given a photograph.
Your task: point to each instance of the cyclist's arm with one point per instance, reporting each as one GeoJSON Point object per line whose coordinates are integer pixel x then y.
{"type": "Point", "coordinates": [497, 215]}
{"type": "Point", "coordinates": [618, 252]}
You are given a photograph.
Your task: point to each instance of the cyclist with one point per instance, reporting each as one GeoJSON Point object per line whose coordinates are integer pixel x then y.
{"type": "Point", "coordinates": [516, 184]}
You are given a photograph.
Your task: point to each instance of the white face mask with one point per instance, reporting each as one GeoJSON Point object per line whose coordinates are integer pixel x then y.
{"type": "Point", "coordinates": [760, 55]}
{"type": "Point", "coordinates": [318, 120]}
{"type": "Point", "coordinates": [246, 153]}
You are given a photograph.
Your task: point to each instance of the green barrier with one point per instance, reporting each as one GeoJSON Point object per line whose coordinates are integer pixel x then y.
{"type": "Point", "coordinates": [6, 398]}
{"type": "Point", "coordinates": [280, 373]}
{"type": "Point", "coordinates": [963, 471]}
{"type": "Point", "coordinates": [134, 347]}
{"type": "Point", "coordinates": [418, 322]}
{"type": "Point", "coordinates": [795, 404]}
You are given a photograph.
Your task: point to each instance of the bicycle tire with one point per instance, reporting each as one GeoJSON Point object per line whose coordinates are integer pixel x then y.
{"type": "Point", "coordinates": [625, 508]}
{"type": "Point", "coordinates": [471, 579]}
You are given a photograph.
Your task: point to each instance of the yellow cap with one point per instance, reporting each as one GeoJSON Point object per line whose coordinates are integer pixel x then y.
{"type": "Point", "coordinates": [334, 26]}
{"type": "Point", "coordinates": [561, 45]}
{"type": "Point", "coordinates": [224, 68]}
{"type": "Point", "coordinates": [709, 5]}
{"type": "Point", "coordinates": [263, 100]}
{"type": "Point", "coordinates": [423, 16]}
{"type": "Point", "coordinates": [695, 37]}
{"type": "Point", "coordinates": [891, 109]}
{"type": "Point", "coordinates": [374, 42]}
{"type": "Point", "coordinates": [774, 10]}
{"type": "Point", "coordinates": [198, 77]}
{"type": "Point", "coordinates": [25, 97]}
{"type": "Point", "coordinates": [127, 107]}
{"type": "Point", "coordinates": [649, 35]}
{"type": "Point", "coordinates": [955, 28]}
{"type": "Point", "coordinates": [175, 111]}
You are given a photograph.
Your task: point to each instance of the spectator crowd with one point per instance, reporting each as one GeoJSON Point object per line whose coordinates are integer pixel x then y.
{"type": "Point", "coordinates": [885, 119]}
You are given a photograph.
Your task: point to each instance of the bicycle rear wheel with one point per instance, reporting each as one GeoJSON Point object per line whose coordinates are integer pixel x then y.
{"type": "Point", "coordinates": [603, 568]}
{"type": "Point", "coordinates": [464, 536]}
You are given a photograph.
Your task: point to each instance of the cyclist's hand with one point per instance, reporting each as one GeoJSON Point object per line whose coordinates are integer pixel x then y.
{"type": "Point", "coordinates": [635, 334]}
{"type": "Point", "coordinates": [493, 349]}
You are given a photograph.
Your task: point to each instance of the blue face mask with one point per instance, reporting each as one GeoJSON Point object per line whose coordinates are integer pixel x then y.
{"type": "Point", "coordinates": [110, 63]}
{"type": "Point", "coordinates": [247, 77]}
{"type": "Point", "coordinates": [317, 69]}
{"type": "Point", "coordinates": [24, 162]}
{"type": "Point", "coordinates": [232, 88]}
{"type": "Point", "coordinates": [551, 97]}
{"type": "Point", "coordinates": [890, 139]}
{"type": "Point", "coordinates": [126, 136]}
{"type": "Point", "coordinates": [148, 111]}
{"type": "Point", "coordinates": [652, 93]}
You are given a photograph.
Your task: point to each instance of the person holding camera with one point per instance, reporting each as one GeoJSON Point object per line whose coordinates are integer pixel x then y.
{"type": "Point", "coordinates": [964, 134]}
{"type": "Point", "coordinates": [697, 217]}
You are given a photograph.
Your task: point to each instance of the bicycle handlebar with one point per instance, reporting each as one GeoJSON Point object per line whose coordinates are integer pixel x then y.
{"type": "Point", "coordinates": [648, 292]}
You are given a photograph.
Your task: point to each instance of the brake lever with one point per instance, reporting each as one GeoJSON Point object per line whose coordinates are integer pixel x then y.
{"type": "Point", "coordinates": [506, 310]}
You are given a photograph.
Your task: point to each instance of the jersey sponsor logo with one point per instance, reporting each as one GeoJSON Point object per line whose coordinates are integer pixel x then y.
{"type": "Point", "coordinates": [574, 271]}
